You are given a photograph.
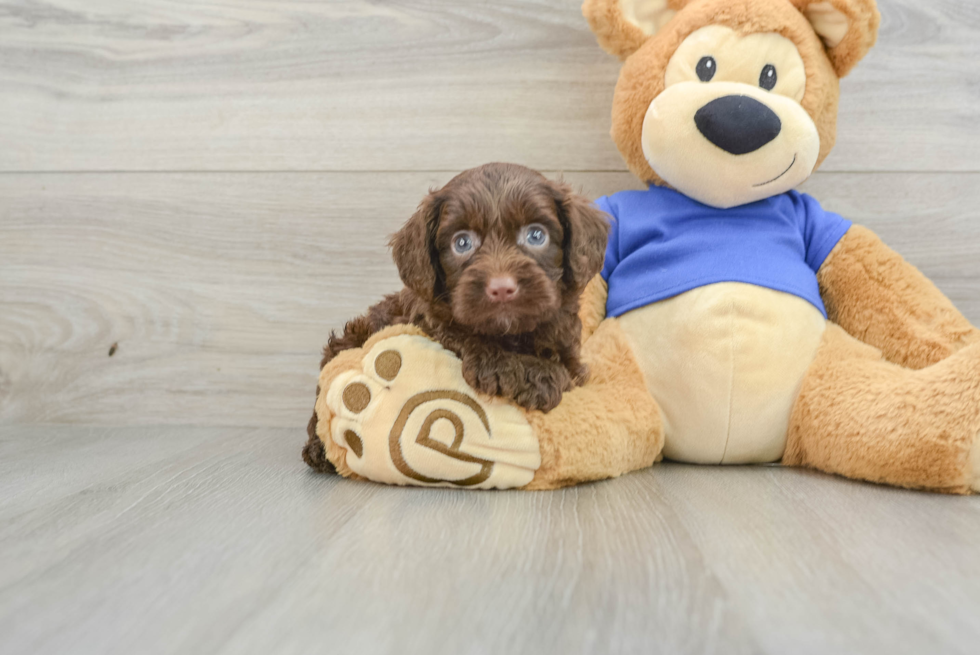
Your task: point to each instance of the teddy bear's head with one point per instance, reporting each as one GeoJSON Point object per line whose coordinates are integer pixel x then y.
{"type": "Point", "coordinates": [729, 101]}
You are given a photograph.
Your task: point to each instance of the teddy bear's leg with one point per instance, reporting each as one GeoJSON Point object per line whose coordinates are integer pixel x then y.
{"type": "Point", "coordinates": [604, 429]}
{"type": "Point", "coordinates": [398, 411]}
{"type": "Point", "coordinates": [608, 427]}
{"type": "Point", "coordinates": [863, 417]}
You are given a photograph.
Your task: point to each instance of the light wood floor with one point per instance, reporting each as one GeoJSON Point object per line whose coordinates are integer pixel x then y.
{"type": "Point", "coordinates": [216, 540]}
{"type": "Point", "coordinates": [207, 187]}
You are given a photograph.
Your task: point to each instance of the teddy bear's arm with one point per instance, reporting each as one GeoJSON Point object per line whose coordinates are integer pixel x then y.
{"type": "Point", "coordinates": [881, 299]}
{"type": "Point", "coordinates": [592, 307]}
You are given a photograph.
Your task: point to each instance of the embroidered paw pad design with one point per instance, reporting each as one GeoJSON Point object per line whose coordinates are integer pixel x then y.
{"type": "Point", "coordinates": [406, 416]}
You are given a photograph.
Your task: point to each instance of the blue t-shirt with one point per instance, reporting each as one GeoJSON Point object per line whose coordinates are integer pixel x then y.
{"type": "Point", "coordinates": [663, 243]}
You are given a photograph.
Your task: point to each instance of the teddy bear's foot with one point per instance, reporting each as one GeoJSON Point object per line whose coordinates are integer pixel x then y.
{"type": "Point", "coordinates": [863, 417]}
{"type": "Point", "coordinates": [404, 415]}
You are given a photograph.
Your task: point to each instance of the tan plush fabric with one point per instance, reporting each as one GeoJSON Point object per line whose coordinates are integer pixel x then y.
{"type": "Point", "coordinates": [881, 299]}
{"type": "Point", "coordinates": [616, 34]}
{"type": "Point", "coordinates": [894, 393]}
{"type": "Point", "coordinates": [401, 384]}
{"type": "Point", "coordinates": [680, 154]}
{"type": "Point", "coordinates": [406, 416]}
{"type": "Point", "coordinates": [346, 361]}
{"type": "Point", "coordinates": [609, 427]}
{"type": "Point", "coordinates": [724, 363]}
{"type": "Point", "coordinates": [863, 417]}
{"type": "Point", "coordinates": [829, 22]}
{"type": "Point", "coordinates": [593, 306]}
{"type": "Point", "coordinates": [643, 75]}
{"type": "Point", "coordinates": [649, 15]}
{"type": "Point", "coordinates": [863, 20]}
{"type": "Point", "coordinates": [740, 57]}
{"type": "Point", "coordinates": [890, 389]}
{"type": "Point", "coordinates": [646, 56]}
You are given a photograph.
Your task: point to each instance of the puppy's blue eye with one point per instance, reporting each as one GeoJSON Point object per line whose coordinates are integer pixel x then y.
{"type": "Point", "coordinates": [465, 242]}
{"type": "Point", "coordinates": [536, 236]}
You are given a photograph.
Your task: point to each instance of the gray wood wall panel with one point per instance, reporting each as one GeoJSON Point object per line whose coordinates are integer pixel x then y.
{"type": "Point", "coordinates": [412, 86]}
{"type": "Point", "coordinates": [220, 288]}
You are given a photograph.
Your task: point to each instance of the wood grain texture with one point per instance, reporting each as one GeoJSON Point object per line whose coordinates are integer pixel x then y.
{"type": "Point", "coordinates": [216, 540]}
{"type": "Point", "coordinates": [218, 286]}
{"type": "Point", "coordinates": [357, 85]}
{"type": "Point", "coordinates": [219, 289]}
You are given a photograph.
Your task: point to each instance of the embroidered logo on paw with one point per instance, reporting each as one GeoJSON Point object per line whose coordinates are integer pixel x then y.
{"type": "Point", "coordinates": [356, 397]}
{"type": "Point", "coordinates": [408, 417]}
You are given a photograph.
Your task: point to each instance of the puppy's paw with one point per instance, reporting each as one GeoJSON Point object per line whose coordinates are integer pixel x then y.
{"type": "Point", "coordinates": [544, 387]}
{"type": "Point", "coordinates": [406, 416]}
{"type": "Point", "coordinates": [528, 381]}
{"type": "Point", "coordinates": [491, 376]}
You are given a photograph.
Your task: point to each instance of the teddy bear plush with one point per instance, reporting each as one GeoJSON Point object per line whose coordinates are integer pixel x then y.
{"type": "Point", "coordinates": [735, 320]}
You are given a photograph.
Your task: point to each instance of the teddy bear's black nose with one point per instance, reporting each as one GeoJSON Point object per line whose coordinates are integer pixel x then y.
{"type": "Point", "coordinates": [738, 124]}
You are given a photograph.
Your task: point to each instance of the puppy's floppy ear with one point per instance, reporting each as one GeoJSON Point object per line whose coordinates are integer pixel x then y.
{"type": "Point", "coordinates": [414, 250]}
{"type": "Point", "coordinates": [622, 26]}
{"type": "Point", "coordinates": [586, 230]}
{"type": "Point", "coordinates": [849, 28]}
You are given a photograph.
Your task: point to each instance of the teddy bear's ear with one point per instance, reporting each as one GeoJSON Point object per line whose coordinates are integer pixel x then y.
{"type": "Point", "coordinates": [849, 28]}
{"type": "Point", "coordinates": [622, 26]}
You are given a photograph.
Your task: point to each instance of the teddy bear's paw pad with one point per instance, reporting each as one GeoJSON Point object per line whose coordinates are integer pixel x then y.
{"type": "Point", "coordinates": [408, 417]}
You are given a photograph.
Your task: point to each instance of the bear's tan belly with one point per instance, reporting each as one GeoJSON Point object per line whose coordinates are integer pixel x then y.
{"type": "Point", "coordinates": [725, 363]}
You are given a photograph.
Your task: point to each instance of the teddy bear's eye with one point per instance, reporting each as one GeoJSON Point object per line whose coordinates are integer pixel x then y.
{"type": "Point", "coordinates": [706, 69]}
{"type": "Point", "coordinates": [768, 78]}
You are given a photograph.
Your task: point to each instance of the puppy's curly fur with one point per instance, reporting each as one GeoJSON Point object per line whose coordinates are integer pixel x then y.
{"type": "Point", "coordinates": [494, 264]}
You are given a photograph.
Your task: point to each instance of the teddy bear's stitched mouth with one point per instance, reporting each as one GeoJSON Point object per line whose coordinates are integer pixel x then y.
{"type": "Point", "coordinates": [781, 174]}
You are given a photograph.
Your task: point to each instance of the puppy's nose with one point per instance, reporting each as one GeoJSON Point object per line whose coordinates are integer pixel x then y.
{"type": "Point", "coordinates": [502, 289]}
{"type": "Point", "coordinates": [738, 124]}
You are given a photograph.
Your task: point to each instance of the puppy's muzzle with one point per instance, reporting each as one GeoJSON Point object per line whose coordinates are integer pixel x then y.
{"type": "Point", "coordinates": [738, 124]}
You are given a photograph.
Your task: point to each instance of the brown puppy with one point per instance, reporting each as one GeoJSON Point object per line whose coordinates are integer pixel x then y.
{"type": "Point", "coordinates": [493, 265]}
